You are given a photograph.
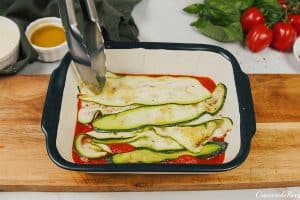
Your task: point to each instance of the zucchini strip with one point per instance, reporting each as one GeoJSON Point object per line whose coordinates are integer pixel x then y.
{"type": "Point", "coordinates": [194, 137]}
{"type": "Point", "coordinates": [201, 120]}
{"type": "Point", "coordinates": [83, 146]}
{"type": "Point", "coordinates": [191, 138]}
{"type": "Point", "coordinates": [146, 139]}
{"type": "Point", "coordinates": [145, 90]}
{"type": "Point", "coordinates": [113, 135]}
{"type": "Point", "coordinates": [161, 115]}
{"type": "Point", "coordinates": [151, 140]}
{"type": "Point", "coordinates": [88, 111]}
{"type": "Point", "coordinates": [211, 149]}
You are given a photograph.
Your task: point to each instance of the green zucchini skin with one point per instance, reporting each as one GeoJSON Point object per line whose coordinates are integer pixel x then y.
{"type": "Point", "coordinates": [111, 135]}
{"type": "Point", "coordinates": [161, 140]}
{"type": "Point", "coordinates": [211, 149]}
{"type": "Point", "coordinates": [161, 115]}
{"type": "Point", "coordinates": [87, 150]}
{"type": "Point", "coordinates": [218, 99]}
{"type": "Point", "coordinates": [146, 139]}
{"type": "Point", "coordinates": [191, 138]}
{"type": "Point", "coordinates": [88, 113]}
{"type": "Point", "coordinates": [208, 150]}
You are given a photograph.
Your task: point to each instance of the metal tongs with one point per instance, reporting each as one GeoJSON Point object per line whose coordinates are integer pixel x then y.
{"type": "Point", "coordinates": [87, 50]}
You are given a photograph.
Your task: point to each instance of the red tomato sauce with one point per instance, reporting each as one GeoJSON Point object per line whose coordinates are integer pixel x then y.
{"type": "Point", "coordinates": [121, 148]}
{"type": "Point", "coordinates": [188, 159]}
{"type": "Point", "coordinates": [80, 128]}
{"type": "Point", "coordinates": [218, 139]}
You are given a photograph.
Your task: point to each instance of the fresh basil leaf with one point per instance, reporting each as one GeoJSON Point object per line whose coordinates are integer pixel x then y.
{"type": "Point", "coordinates": [271, 9]}
{"type": "Point", "coordinates": [221, 14]}
{"type": "Point", "coordinates": [220, 19]}
{"type": "Point", "coordinates": [242, 4]}
{"type": "Point", "coordinates": [230, 33]}
{"type": "Point", "coordinates": [194, 8]}
{"type": "Point", "coordinates": [237, 4]}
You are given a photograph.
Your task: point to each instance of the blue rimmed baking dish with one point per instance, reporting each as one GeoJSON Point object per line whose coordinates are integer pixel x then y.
{"type": "Point", "coordinates": [60, 110]}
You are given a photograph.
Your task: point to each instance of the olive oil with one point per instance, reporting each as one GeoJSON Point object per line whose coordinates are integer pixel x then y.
{"type": "Point", "coordinates": [48, 36]}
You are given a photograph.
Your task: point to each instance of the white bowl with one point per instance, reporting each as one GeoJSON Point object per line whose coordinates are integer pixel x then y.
{"type": "Point", "coordinates": [9, 42]}
{"type": "Point", "coordinates": [296, 49]}
{"type": "Point", "coordinates": [50, 54]}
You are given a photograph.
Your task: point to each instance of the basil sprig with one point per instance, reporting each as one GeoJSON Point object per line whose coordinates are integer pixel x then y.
{"type": "Point", "coordinates": [220, 19]}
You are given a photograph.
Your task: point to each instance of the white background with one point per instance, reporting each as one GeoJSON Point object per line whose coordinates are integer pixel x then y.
{"type": "Point", "coordinates": [164, 21]}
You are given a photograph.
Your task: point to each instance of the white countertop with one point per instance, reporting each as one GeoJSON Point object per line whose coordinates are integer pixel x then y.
{"type": "Point", "coordinates": [164, 21]}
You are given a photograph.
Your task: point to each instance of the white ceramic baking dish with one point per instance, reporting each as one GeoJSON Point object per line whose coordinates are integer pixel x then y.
{"type": "Point", "coordinates": [59, 117]}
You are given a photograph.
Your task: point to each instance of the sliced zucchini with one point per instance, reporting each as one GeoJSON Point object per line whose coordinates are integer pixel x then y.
{"type": "Point", "coordinates": [192, 138]}
{"type": "Point", "coordinates": [225, 124]}
{"type": "Point", "coordinates": [211, 149]}
{"type": "Point", "coordinates": [83, 146]}
{"type": "Point", "coordinates": [216, 102]}
{"type": "Point", "coordinates": [174, 138]}
{"type": "Point", "coordinates": [148, 116]}
{"type": "Point", "coordinates": [145, 90]}
{"type": "Point", "coordinates": [113, 141]}
{"type": "Point", "coordinates": [146, 139]}
{"type": "Point", "coordinates": [87, 113]}
{"type": "Point", "coordinates": [201, 120]}
{"type": "Point", "coordinates": [111, 135]}
{"type": "Point", "coordinates": [178, 138]}
{"type": "Point", "coordinates": [151, 140]}
{"type": "Point", "coordinates": [160, 115]}
{"type": "Point", "coordinates": [104, 147]}
{"type": "Point", "coordinates": [224, 127]}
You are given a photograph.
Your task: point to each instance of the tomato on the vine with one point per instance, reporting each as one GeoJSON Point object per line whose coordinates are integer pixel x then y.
{"type": "Point", "coordinates": [294, 20]}
{"type": "Point", "coordinates": [259, 37]}
{"type": "Point", "coordinates": [283, 4]}
{"type": "Point", "coordinates": [251, 17]}
{"type": "Point", "coordinates": [284, 36]}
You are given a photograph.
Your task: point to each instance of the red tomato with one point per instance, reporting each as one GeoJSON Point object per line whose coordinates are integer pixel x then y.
{"type": "Point", "coordinates": [251, 17]}
{"type": "Point", "coordinates": [259, 37]}
{"type": "Point", "coordinates": [294, 20]}
{"type": "Point", "coordinates": [284, 36]}
{"type": "Point", "coordinates": [283, 4]}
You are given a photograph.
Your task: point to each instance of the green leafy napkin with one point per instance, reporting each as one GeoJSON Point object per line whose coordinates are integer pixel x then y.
{"type": "Point", "coordinates": [117, 23]}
